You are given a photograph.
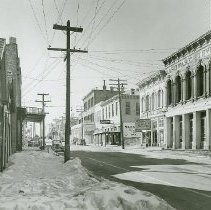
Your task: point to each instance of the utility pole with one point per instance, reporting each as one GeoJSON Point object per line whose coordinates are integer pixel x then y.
{"type": "Point", "coordinates": [43, 101]}
{"type": "Point", "coordinates": [67, 28]}
{"type": "Point", "coordinates": [81, 110]}
{"type": "Point", "coordinates": [120, 84]}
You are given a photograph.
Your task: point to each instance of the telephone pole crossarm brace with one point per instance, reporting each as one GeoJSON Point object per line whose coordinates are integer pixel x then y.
{"type": "Point", "coordinates": [67, 28]}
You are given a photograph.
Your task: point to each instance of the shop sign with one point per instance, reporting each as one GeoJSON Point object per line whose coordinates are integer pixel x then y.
{"type": "Point", "coordinates": [142, 124]}
{"type": "Point", "coordinates": [105, 121]}
{"type": "Point", "coordinates": [129, 130]}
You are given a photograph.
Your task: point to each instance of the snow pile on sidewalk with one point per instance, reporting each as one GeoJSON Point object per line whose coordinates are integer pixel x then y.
{"type": "Point", "coordinates": [39, 180]}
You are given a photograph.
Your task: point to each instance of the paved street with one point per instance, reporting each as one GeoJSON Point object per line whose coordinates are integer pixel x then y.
{"type": "Point", "coordinates": [183, 184]}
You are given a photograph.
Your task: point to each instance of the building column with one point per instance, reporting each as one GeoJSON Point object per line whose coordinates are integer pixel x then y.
{"type": "Point", "coordinates": [207, 80]}
{"type": "Point", "coordinates": [184, 90]}
{"type": "Point", "coordinates": [192, 86]}
{"type": "Point", "coordinates": [195, 87]}
{"type": "Point", "coordinates": [173, 95]}
{"type": "Point", "coordinates": [166, 97]}
{"type": "Point", "coordinates": [196, 130]}
{"type": "Point", "coordinates": [168, 133]}
{"type": "Point", "coordinates": [185, 131]}
{"type": "Point", "coordinates": [175, 132]}
{"type": "Point", "coordinates": [151, 133]}
{"type": "Point", "coordinates": [207, 144]}
{"type": "Point", "coordinates": [182, 82]}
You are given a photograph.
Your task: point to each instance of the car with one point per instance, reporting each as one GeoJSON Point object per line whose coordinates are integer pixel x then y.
{"type": "Point", "coordinates": [57, 146]}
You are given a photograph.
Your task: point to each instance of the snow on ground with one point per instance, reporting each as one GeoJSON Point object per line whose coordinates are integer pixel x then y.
{"type": "Point", "coordinates": [39, 180]}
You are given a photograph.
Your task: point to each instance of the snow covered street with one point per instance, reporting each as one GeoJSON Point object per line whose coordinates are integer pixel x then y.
{"type": "Point", "coordinates": [40, 180]}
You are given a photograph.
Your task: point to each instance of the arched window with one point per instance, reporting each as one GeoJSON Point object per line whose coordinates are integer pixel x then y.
{"type": "Point", "coordinates": [153, 101]}
{"type": "Point", "coordinates": [200, 81]}
{"type": "Point", "coordinates": [159, 98]}
{"type": "Point", "coordinates": [147, 103]}
{"type": "Point", "coordinates": [169, 93]}
{"type": "Point", "coordinates": [178, 89]}
{"type": "Point", "coordinates": [142, 104]}
{"type": "Point", "coordinates": [188, 85]}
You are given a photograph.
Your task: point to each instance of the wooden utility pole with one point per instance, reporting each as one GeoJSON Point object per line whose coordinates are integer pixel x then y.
{"type": "Point", "coordinates": [119, 85]}
{"type": "Point", "coordinates": [67, 28]}
{"type": "Point", "coordinates": [43, 101]}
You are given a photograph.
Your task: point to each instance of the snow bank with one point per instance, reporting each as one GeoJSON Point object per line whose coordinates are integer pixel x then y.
{"type": "Point", "coordinates": [39, 180]}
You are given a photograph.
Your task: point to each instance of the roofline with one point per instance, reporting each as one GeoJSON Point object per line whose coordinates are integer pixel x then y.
{"type": "Point", "coordinates": [206, 36]}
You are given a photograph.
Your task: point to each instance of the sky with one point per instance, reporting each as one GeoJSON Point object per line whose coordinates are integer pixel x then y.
{"type": "Point", "coordinates": [126, 39]}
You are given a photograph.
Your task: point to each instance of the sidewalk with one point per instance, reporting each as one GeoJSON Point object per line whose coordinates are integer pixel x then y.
{"type": "Point", "coordinates": [40, 180]}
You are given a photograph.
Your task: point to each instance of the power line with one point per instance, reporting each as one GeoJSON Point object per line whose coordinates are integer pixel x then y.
{"type": "Point", "coordinates": [108, 21]}
{"type": "Point", "coordinates": [29, 89]}
{"type": "Point", "coordinates": [94, 20]}
{"type": "Point", "coordinates": [44, 16]}
{"type": "Point", "coordinates": [59, 17]}
{"type": "Point", "coordinates": [36, 19]}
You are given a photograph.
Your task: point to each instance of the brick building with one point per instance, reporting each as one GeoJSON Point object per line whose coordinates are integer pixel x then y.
{"type": "Point", "coordinates": [11, 113]}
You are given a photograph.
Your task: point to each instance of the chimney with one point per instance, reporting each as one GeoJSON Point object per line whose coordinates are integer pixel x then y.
{"type": "Point", "coordinates": [12, 40]}
{"type": "Point", "coordinates": [104, 86]}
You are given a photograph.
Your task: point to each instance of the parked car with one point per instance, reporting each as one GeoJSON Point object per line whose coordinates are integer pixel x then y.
{"type": "Point", "coordinates": [57, 146]}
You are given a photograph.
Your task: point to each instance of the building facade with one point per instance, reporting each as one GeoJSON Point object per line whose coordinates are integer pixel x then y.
{"type": "Point", "coordinates": [11, 113]}
{"type": "Point", "coordinates": [108, 124]}
{"type": "Point", "coordinates": [91, 105]}
{"type": "Point", "coordinates": [188, 95]}
{"type": "Point", "coordinates": [152, 104]}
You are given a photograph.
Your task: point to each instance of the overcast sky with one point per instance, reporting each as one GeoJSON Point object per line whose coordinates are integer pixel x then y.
{"type": "Point", "coordinates": [125, 39]}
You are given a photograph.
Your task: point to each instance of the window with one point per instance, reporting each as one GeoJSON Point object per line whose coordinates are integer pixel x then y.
{"type": "Point", "coordinates": [153, 101]}
{"type": "Point", "coordinates": [137, 108]}
{"type": "Point", "coordinates": [89, 103]}
{"type": "Point", "coordinates": [127, 110]}
{"type": "Point", "coordinates": [169, 93]}
{"type": "Point", "coordinates": [188, 85]}
{"type": "Point", "coordinates": [106, 112]}
{"type": "Point", "coordinates": [200, 81]}
{"type": "Point", "coordinates": [116, 108]}
{"type": "Point", "coordinates": [112, 110]}
{"type": "Point", "coordinates": [147, 103]}
{"type": "Point", "coordinates": [85, 106]}
{"type": "Point", "coordinates": [92, 101]}
{"type": "Point", "coordinates": [142, 104]}
{"type": "Point", "coordinates": [103, 113]}
{"type": "Point", "coordinates": [109, 111]}
{"type": "Point", "coordinates": [178, 89]}
{"type": "Point", "coordinates": [159, 98]}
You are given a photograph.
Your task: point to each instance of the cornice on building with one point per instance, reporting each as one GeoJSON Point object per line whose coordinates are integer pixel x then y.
{"type": "Point", "coordinates": [188, 48]}
{"type": "Point", "coordinates": [116, 97]}
{"type": "Point", "coordinates": [152, 78]}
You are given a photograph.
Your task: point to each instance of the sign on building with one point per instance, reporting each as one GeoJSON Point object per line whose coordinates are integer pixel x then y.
{"type": "Point", "coordinates": [105, 122]}
{"type": "Point", "coordinates": [142, 124]}
{"type": "Point", "coordinates": [129, 130]}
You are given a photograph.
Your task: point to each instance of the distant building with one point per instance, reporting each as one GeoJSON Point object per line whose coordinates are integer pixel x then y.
{"type": "Point", "coordinates": [108, 121]}
{"type": "Point", "coordinates": [152, 104]}
{"type": "Point", "coordinates": [90, 101]}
